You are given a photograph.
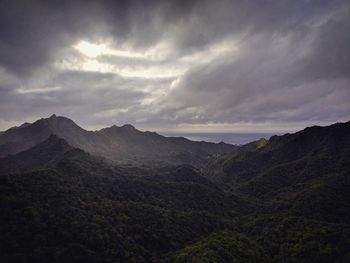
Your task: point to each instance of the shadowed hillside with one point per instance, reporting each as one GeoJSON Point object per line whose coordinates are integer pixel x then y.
{"type": "Point", "coordinates": [119, 144]}
{"type": "Point", "coordinates": [300, 182]}
{"type": "Point", "coordinates": [282, 200]}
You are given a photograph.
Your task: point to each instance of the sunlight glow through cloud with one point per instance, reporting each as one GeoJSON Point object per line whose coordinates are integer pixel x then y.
{"type": "Point", "coordinates": [91, 50]}
{"type": "Point", "coordinates": [39, 90]}
{"type": "Point", "coordinates": [94, 50]}
{"type": "Point", "coordinates": [149, 67]}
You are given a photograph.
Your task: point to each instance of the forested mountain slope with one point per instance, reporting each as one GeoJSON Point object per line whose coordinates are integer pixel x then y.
{"type": "Point", "coordinates": [301, 184]}
{"type": "Point", "coordinates": [282, 200]}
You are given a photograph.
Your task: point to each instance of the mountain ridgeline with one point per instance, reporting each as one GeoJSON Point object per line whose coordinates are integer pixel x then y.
{"type": "Point", "coordinates": [122, 195]}
{"type": "Point", "coordinates": [123, 144]}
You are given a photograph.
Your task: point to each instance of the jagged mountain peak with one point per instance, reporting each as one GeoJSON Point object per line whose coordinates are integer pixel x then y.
{"type": "Point", "coordinates": [59, 125]}
{"type": "Point", "coordinates": [57, 119]}
{"type": "Point", "coordinates": [19, 139]}
{"type": "Point", "coordinates": [120, 144]}
{"type": "Point", "coordinates": [128, 126]}
{"type": "Point", "coordinates": [123, 127]}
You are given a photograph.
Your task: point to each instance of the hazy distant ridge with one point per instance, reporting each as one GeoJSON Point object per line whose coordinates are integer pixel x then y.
{"type": "Point", "coordinates": [120, 144]}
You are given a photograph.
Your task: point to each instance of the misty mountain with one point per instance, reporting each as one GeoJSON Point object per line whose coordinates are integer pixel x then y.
{"type": "Point", "coordinates": [119, 144]}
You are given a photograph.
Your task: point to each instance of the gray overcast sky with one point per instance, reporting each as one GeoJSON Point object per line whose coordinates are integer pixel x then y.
{"type": "Point", "coordinates": [247, 66]}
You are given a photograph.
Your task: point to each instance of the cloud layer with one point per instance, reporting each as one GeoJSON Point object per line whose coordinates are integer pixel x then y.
{"type": "Point", "coordinates": [176, 65]}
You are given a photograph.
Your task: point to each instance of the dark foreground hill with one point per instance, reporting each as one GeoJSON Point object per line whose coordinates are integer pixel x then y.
{"type": "Point", "coordinates": [282, 200]}
{"type": "Point", "coordinates": [301, 184]}
{"type": "Point", "coordinates": [120, 144]}
{"type": "Point", "coordinates": [72, 207]}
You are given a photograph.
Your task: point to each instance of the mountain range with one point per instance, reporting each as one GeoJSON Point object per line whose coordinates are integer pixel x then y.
{"type": "Point", "coordinates": [122, 195]}
{"type": "Point", "coordinates": [123, 144]}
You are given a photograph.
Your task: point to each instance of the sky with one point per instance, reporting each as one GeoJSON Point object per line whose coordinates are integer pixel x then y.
{"type": "Point", "coordinates": [179, 66]}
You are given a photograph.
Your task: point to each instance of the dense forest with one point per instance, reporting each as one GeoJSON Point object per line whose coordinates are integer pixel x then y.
{"type": "Point", "coordinates": [286, 199]}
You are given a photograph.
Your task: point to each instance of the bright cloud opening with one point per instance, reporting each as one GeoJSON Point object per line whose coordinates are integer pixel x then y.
{"type": "Point", "coordinates": [39, 90]}
{"type": "Point", "coordinates": [91, 50]}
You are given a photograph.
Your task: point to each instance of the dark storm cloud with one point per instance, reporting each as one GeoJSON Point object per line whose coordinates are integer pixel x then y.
{"type": "Point", "coordinates": [184, 62]}
{"type": "Point", "coordinates": [279, 74]}
{"type": "Point", "coordinates": [330, 55]}
{"type": "Point", "coordinates": [32, 31]}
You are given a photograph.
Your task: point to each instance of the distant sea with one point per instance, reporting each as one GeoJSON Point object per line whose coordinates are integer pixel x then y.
{"type": "Point", "coordinates": [232, 138]}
